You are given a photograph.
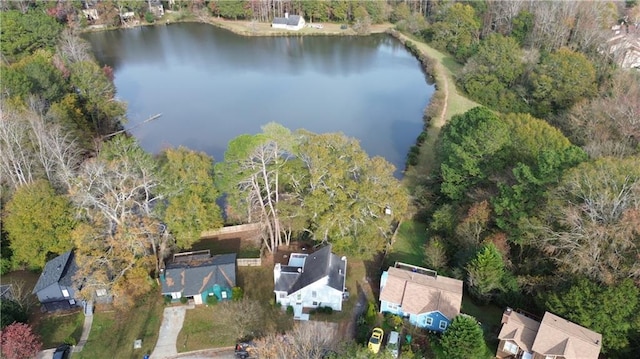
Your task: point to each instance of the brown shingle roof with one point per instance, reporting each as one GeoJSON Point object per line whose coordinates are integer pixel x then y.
{"type": "Point", "coordinates": [558, 336]}
{"type": "Point", "coordinates": [419, 293]}
{"type": "Point", "coordinates": [520, 329]}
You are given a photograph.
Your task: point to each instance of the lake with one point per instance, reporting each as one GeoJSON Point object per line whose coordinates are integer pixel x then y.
{"type": "Point", "coordinates": [211, 85]}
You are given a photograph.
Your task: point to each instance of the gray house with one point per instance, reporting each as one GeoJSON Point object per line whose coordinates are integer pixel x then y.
{"type": "Point", "coordinates": [55, 286]}
{"type": "Point", "coordinates": [199, 275]}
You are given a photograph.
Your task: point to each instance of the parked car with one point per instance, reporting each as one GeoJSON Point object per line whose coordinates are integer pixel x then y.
{"type": "Point", "coordinates": [245, 350]}
{"type": "Point", "coordinates": [62, 352]}
{"type": "Point", "coordinates": [376, 340]}
{"type": "Point", "coordinates": [393, 345]}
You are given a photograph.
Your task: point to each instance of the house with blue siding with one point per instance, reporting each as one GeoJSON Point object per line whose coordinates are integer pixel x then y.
{"type": "Point", "coordinates": [428, 300]}
{"type": "Point", "coordinates": [198, 275]}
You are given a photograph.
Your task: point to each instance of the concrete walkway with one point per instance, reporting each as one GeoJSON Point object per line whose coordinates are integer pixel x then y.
{"type": "Point", "coordinates": [172, 320]}
{"type": "Point", "coordinates": [86, 329]}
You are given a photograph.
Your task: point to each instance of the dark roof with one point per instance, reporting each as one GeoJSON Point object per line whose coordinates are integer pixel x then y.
{"type": "Point", "coordinates": [292, 20]}
{"type": "Point", "coordinates": [193, 275]}
{"type": "Point", "coordinates": [317, 265]}
{"type": "Point", "coordinates": [60, 269]}
{"type": "Point", "coordinates": [6, 292]}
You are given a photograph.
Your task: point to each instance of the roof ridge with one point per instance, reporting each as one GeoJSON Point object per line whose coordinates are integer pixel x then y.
{"type": "Point", "coordinates": [583, 336]}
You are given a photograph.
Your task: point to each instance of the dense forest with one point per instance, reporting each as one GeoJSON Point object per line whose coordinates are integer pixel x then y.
{"type": "Point", "coordinates": [534, 200]}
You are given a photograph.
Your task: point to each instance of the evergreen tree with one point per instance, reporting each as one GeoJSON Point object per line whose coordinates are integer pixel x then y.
{"type": "Point", "coordinates": [463, 339]}
{"type": "Point", "coordinates": [485, 272]}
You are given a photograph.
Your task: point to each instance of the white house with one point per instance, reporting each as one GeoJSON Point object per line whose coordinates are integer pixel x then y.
{"type": "Point", "coordinates": [288, 22]}
{"type": "Point", "coordinates": [311, 281]}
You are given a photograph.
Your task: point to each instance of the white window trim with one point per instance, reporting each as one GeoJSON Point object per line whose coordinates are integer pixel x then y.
{"type": "Point", "coordinates": [443, 324]}
{"type": "Point", "coordinates": [509, 347]}
{"type": "Point", "coordinates": [428, 321]}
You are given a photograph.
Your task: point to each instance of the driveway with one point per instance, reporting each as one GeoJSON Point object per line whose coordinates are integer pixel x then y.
{"type": "Point", "coordinates": [172, 320]}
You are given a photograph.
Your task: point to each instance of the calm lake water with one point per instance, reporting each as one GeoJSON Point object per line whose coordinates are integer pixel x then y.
{"type": "Point", "coordinates": [211, 85]}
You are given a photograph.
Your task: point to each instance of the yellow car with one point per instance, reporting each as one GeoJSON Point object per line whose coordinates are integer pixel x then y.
{"type": "Point", "coordinates": [375, 340]}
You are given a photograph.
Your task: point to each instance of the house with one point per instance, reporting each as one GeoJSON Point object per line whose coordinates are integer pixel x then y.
{"type": "Point", "coordinates": [624, 45]}
{"type": "Point", "coordinates": [54, 288]}
{"type": "Point", "coordinates": [288, 22]}
{"type": "Point", "coordinates": [554, 338]}
{"type": "Point", "coordinates": [429, 301]}
{"type": "Point", "coordinates": [311, 281]}
{"type": "Point", "coordinates": [198, 275]}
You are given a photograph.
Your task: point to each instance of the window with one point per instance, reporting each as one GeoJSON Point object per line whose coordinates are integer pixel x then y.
{"type": "Point", "coordinates": [315, 303]}
{"type": "Point", "coordinates": [72, 301]}
{"type": "Point", "coordinates": [510, 347]}
{"type": "Point", "coordinates": [428, 321]}
{"type": "Point", "coordinates": [223, 294]}
{"type": "Point", "coordinates": [314, 294]}
{"type": "Point", "coordinates": [443, 324]}
{"type": "Point", "coordinates": [550, 357]}
{"type": "Point", "coordinates": [65, 293]}
{"type": "Point", "coordinates": [101, 292]}
{"type": "Point", "coordinates": [176, 295]}
{"type": "Point", "coordinates": [392, 306]}
{"type": "Point", "coordinates": [281, 295]}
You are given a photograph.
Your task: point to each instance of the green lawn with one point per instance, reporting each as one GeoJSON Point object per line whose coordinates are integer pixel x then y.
{"type": "Point", "coordinates": [56, 329]}
{"type": "Point", "coordinates": [408, 245]}
{"type": "Point", "coordinates": [113, 333]}
{"type": "Point", "coordinates": [201, 331]}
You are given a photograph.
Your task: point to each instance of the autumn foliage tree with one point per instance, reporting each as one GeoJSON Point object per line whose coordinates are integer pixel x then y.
{"type": "Point", "coordinates": [17, 341]}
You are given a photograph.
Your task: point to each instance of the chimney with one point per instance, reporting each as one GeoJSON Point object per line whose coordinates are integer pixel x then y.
{"type": "Point", "coordinates": [505, 315]}
{"type": "Point", "coordinates": [286, 15]}
{"type": "Point", "coordinates": [276, 272]}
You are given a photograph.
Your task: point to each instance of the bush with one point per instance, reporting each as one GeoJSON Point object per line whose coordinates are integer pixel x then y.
{"type": "Point", "coordinates": [393, 321]}
{"type": "Point", "coordinates": [70, 340]}
{"type": "Point", "coordinates": [371, 314]}
{"type": "Point", "coordinates": [5, 266]}
{"type": "Point", "coordinates": [167, 299]}
{"type": "Point", "coordinates": [183, 300]}
{"type": "Point", "coordinates": [289, 309]}
{"type": "Point", "coordinates": [237, 293]}
{"type": "Point", "coordinates": [212, 300]}
{"type": "Point", "coordinates": [149, 17]}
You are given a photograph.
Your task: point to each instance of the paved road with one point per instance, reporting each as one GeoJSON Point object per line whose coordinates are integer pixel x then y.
{"type": "Point", "coordinates": [219, 353]}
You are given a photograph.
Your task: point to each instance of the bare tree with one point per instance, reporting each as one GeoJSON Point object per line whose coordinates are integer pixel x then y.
{"type": "Point", "coordinates": [73, 48]}
{"type": "Point", "coordinates": [307, 340]}
{"type": "Point", "coordinates": [18, 162]}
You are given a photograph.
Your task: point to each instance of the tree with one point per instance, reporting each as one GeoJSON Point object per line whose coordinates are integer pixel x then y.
{"type": "Point", "coordinates": [617, 321]}
{"type": "Point", "coordinates": [561, 79]}
{"type": "Point", "coordinates": [435, 254]}
{"type": "Point", "coordinates": [39, 223]}
{"type": "Point", "coordinates": [17, 341]}
{"type": "Point", "coordinates": [24, 33]}
{"type": "Point", "coordinates": [491, 74]}
{"type": "Point", "coordinates": [485, 272]}
{"type": "Point", "coordinates": [119, 232]}
{"type": "Point", "coordinates": [350, 200]}
{"type": "Point", "coordinates": [187, 180]}
{"type": "Point", "coordinates": [590, 222]}
{"type": "Point", "coordinates": [463, 339]}
{"type": "Point", "coordinates": [468, 141]}
{"type": "Point", "coordinates": [456, 31]}
{"type": "Point", "coordinates": [11, 312]}
{"type": "Point", "coordinates": [241, 318]}
{"type": "Point", "coordinates": [251, 177]}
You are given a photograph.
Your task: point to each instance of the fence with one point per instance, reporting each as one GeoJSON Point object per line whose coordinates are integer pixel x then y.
{"type": "Point", "coordinates": [249, 262]}
{"type": "Point", "coordinates": [231, 230]}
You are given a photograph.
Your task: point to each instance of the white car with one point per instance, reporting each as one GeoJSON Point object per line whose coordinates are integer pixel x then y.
{"type": "Point", "coordinates": [393, 345]}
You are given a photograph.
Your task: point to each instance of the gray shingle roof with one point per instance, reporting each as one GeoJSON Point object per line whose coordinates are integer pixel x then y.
{"type": "Point", "coordinates": [192, 277]}
{"type": "Point", "coordinates": [319, 264]}
{"type": "Point", "coordinates": [291, 20]}
{"type": "Point", "coordinates": [60, 269]}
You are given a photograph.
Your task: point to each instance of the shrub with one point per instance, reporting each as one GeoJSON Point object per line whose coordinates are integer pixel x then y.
{"type": "Point", "coordinates": [393, 321]}
{"type": "Point", "coordinates": [167, 299]}
{"type": "Point", "coordinates": [289, 309]}
{"type": "Point", "coordinates": [237, 293]}
{"type": "Point", "coordinates": [371, 314]}
{"type": "Point", "coordinates": [70, 340]}
{"type": "Point", "coordinates": [183, 300]}
{"type": "Point", "coordinates": [212, 300]}
{"type": "Point", "coordinates": [149, 17]}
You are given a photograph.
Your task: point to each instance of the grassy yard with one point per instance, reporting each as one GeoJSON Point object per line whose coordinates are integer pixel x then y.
{"type": "Point", "coordinates": [488, 315]}
{"type": "Point", "coordinates": [56, 329]}
{"type": "Point", "coordinates": [113, 333]}
{"type": "Point", "coordinates": [408, 245]}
